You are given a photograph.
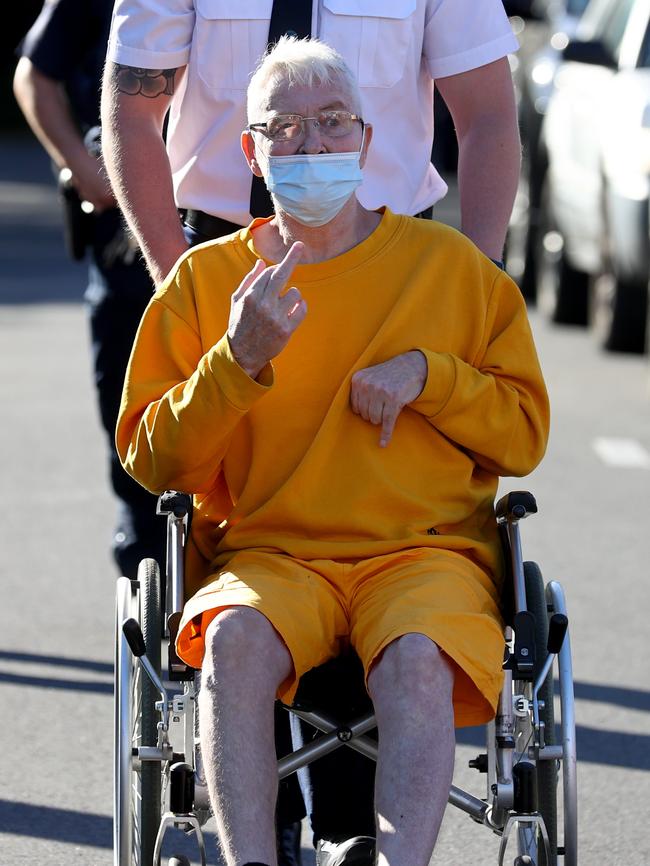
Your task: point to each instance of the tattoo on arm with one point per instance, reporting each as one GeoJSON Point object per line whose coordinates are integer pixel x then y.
{"type": "Point", "coordinates": [148, 82]}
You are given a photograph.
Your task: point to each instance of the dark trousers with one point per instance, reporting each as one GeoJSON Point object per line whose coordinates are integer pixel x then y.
{"type": "Point", "coordinates": [119, 289]}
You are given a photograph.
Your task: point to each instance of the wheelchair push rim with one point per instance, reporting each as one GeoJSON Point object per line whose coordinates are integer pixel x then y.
{"type": "Point", "coordinates": [136, 784]}
{"type": "Point", "coordinates": [557, 604]}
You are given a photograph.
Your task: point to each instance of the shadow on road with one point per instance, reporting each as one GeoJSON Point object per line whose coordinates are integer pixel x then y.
{"type": "Point", "coordinates": [594, 746]}
{"type": "Point", "coordinates": [57, 661]}
{"type": "Point", "coordinates": [45, 681]}
{"type": "Point", "coordinates": [55, 683]}
{"type": "Point", "coordinates": [631, 699]}
{"type": "Point", "coordinates": [80, 828]}
{"type": "Point", "coordinates": [61, 825]}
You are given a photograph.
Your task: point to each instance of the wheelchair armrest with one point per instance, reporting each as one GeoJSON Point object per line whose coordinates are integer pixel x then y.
{"type": "Point", "coordinates": [173, 502]}
{"type": "Point", "coordinates": [177, 508]}
{"type": "Point", "coordinates": [515, 506]}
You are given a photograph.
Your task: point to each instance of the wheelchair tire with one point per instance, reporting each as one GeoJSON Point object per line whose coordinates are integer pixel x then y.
{"type": "Point", "coordinates": [150, 773]}
{"type": "Point", "coordinates": [136, 784]}
{"type": "Point", "coordinates": [546, 771]}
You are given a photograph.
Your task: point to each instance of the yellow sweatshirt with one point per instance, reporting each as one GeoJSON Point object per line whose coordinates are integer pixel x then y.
{"type": "Point", "coordinates": [283, 463]}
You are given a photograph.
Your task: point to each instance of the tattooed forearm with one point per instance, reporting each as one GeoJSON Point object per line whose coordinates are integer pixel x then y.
{"type": "Point", "coordinates": [148, 82]}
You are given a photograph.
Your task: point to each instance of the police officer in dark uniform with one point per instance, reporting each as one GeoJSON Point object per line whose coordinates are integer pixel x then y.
{"type": "Point", "coordinates": [57, 85]}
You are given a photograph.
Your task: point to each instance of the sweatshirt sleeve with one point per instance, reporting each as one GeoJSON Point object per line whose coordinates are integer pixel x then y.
{"type": "Point", "coordinates": [180, 406]}
{"type": "Point", "coordinates": [151, 34]}
{"type": "Point", "coordinates": [496, 407]}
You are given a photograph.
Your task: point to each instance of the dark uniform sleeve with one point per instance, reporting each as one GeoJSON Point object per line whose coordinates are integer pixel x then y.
{"type": "Point", "coordinates": [58, 38]}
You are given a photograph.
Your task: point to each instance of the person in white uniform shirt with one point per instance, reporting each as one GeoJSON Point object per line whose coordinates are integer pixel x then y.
{"type": "Point", "coordinates": [195, 60]}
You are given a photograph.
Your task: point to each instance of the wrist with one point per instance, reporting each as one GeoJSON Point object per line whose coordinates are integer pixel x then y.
{"type": "Point", "coordinates": [160, 261]}
{"type": "Point", "coordinates": [250, 366]}
{"type": "Point", "coordinates": [422, 367]}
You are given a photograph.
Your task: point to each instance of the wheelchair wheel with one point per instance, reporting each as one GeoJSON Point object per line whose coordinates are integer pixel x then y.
{"type": "Point", "coordinates": [136, 784]}
{"type": "Point", "coordinates": [530, 843]}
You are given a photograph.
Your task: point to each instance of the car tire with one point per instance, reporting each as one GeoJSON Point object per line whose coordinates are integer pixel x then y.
{"type": "Point", "coordinates": [619, 310]}
{"type": "Point", "coordinates": [562, 290]}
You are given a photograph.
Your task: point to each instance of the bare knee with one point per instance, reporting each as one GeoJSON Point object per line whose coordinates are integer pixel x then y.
{"type": "Point", "coordinates": [412, 666]}
{"type": "Point", "coordinates": [241, 642]}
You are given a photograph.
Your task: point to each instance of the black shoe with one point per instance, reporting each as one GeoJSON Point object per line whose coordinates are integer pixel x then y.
{"type": "Point", "coordinates": [289, 844]}
{"type": "Point", "coordinates": [359, 851]}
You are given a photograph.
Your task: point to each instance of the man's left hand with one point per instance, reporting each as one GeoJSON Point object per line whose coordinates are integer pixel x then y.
{"type": "Point", "coordinates": [380, 393]}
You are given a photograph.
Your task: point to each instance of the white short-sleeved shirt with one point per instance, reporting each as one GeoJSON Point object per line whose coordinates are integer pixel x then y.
{"type": "Point", "coordinates": [396, 48]}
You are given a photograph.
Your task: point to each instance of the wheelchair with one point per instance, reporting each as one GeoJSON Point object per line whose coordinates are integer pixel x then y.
{"type": "Point", "coordinates": [157, 775]}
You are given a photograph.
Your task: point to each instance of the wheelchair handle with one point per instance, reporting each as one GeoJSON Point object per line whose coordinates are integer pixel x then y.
{"type": "Point", "coordinates": [556, 631]}
{"type": "Point", "coordinates": [515, 506]}
{"type": "Point", "coordinates": [133, 634]}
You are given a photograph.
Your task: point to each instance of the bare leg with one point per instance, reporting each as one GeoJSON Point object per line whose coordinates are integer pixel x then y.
{"type": "Point", "coordinates": [245, 662]}
{"type": "Point", "coordinates": [411, 687]}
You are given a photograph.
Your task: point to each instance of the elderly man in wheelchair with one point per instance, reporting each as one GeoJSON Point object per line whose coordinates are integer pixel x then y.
{"type": "Point", "coordinates": [340, 389]}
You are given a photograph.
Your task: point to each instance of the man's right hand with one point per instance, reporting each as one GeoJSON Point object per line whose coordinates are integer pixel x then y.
{"type": "Point", "coordinates": [261, 318]}
{"type": "Point", "coordinates": [90, 181]}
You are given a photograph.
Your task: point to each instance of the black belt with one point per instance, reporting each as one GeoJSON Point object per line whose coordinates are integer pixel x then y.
{"type": "Point", "coordinates": [207, 225]}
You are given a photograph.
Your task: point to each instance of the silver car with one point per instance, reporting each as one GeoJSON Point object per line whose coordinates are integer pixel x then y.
{"type": "Point", "coordinates": [595, 245]}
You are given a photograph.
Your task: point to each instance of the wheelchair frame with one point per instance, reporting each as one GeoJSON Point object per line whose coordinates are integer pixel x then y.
{"type": "Point", "coordinates": [157, 774]}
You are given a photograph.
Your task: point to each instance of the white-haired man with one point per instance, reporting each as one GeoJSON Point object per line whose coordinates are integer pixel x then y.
{"type": "Point", "coordinates": [341, 388]}
{"type": "Point", "coordinates": [190, 61]}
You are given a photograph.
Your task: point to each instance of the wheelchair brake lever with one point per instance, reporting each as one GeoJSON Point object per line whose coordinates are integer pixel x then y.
{"type": "Point", "coordinates": [134, 637]}
{"type": "Point", "coordinates": [557, 629]}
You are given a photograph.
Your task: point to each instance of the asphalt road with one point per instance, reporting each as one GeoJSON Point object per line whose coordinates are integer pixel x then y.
{"type": "Point", "coordinates": [56, 615]}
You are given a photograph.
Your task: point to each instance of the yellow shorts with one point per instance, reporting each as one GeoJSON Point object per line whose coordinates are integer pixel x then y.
{"type": "Point", "coordinates": [319, 607]}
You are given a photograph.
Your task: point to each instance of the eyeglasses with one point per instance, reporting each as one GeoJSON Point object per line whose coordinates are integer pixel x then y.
{"type": "Point", "coordinates": [288, 127]}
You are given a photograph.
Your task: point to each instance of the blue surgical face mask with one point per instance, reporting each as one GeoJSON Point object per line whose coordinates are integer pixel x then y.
{"type": "Point", "coordinates": [313, 188]}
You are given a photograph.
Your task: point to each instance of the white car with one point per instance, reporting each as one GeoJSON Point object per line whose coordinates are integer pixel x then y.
{"type": "Point", "coordinates": [595, 244]}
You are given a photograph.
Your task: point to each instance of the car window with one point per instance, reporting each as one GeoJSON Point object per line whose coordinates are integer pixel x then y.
{"type": "Point", "coordinates": [611, 27]}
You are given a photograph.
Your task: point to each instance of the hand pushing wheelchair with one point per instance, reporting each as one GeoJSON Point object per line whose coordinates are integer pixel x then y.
{"type": "Point", "coordinates": [157, 779]}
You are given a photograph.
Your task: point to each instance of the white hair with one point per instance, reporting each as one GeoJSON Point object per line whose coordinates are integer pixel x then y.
{"type": "Point", "coordinates": [293, 61]}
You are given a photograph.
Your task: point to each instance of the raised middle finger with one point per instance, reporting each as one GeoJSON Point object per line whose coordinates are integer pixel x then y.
{"type": "Point", "coordinates": [281, 272]}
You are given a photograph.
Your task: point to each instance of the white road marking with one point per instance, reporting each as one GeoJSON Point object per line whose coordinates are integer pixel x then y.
{"type": "Point", "coordinates": [625, 453]}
